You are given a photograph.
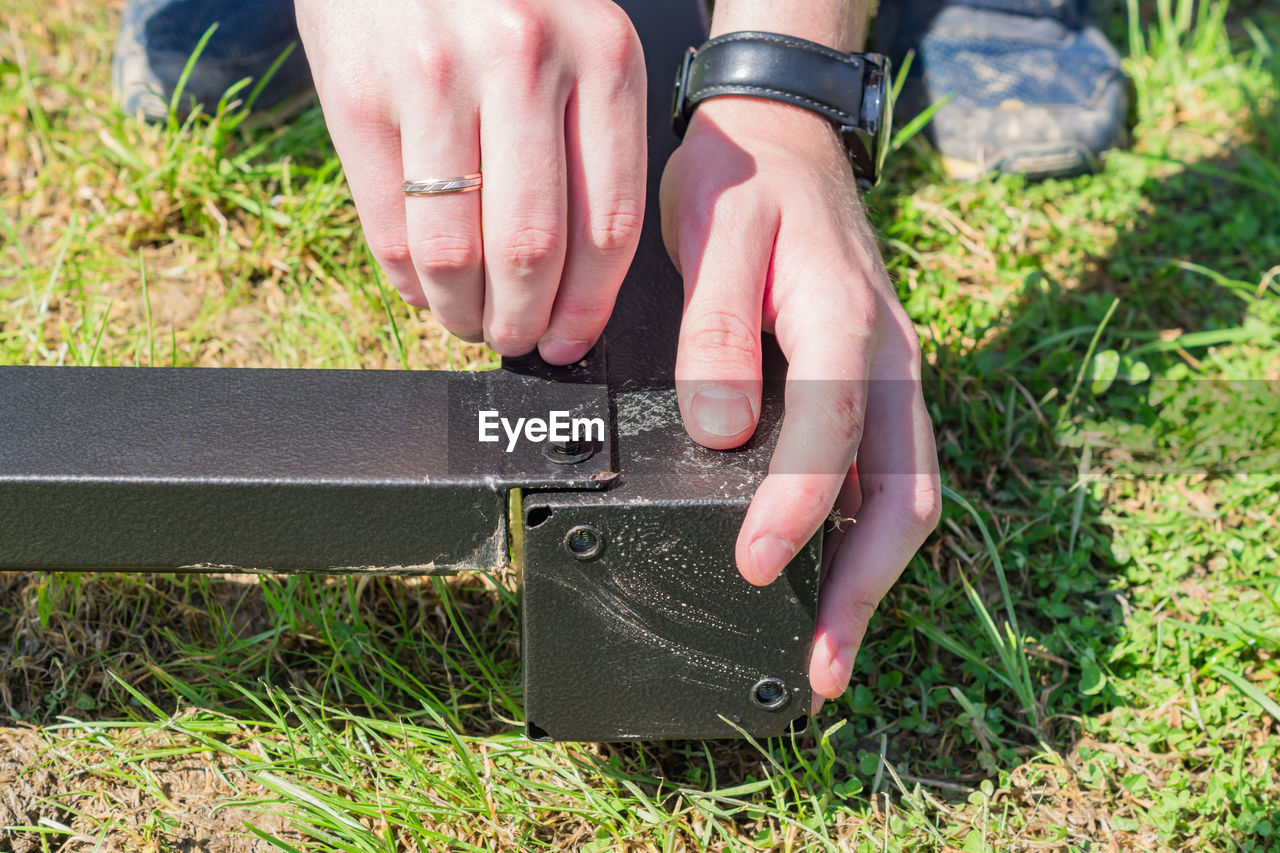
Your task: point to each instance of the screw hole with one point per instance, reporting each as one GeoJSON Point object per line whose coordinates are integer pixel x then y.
{"type": "Point", "coordinates": [537, 515]}
{"type": "Point", "coordinates": [584, 542]}
{"type": "Point", "coordinates": [568, 452]}
{"type": "Point", "coordinates": [769, 693]}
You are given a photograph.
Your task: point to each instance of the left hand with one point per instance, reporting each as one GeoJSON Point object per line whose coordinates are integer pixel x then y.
{"type": "Point", "coordinates": [552, 92]}
{"type": "Point", "coordinates": [761, 215]}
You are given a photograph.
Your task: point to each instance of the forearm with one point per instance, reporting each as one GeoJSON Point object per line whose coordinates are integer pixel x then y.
{"type": "Point", "coordinates": [841, 24]}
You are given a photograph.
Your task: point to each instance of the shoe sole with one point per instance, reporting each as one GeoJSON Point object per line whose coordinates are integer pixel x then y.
{"type": "Point", "coordinates": [1049, 160]}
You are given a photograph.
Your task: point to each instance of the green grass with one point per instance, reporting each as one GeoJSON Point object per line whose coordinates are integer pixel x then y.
{"type": "Point", "coordinates": [1085, 656]}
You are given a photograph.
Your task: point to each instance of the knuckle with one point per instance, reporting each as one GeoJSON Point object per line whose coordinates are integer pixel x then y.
{"type": "Point", "coordinates": [444, 254]}
{"type": "Point", "coordinates": [857, 608]}
{"type": "Point", "coordinates": [700, 210]}
{"type": "Point", "coordinates": [917, 501]}
{"type": "Point", "coordinates": [581, 315]}
{"type": "Point", "coordinates": [844, 411]}
{"type": "Point", "coordinates": [390, 254]}
{"type": "Point", "coordinates": [866, 316]}
{"type": "Point", "coordinates": [910, 343]}
{"type": "Point", "coordinates": [717, 333]}
{"type": "Point", "coordinates": [512, 338]}
{"type": "Point", "coordinates": [925, 507]}
{"type": "Point", "coordinates": [526, 35]}
{"type": "Point", "coordinates": [911, 338]}
{"type": "Point", "coordinates": [618, 228]}
{"type": "Point", "coordinates": [614, 38]}
{"type": "Point", "coordinates": [530, 248]}
{"type": "Point", "coordinates": [437, 66]}
{"type": "Point", "coordinates": [358, 104]}
{"type": "Point", "coordinates": [459, 323]}
{"type": "Point", "coordinates": [814, 495]}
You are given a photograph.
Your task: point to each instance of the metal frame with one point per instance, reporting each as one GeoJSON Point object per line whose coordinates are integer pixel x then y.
{"type": "Point", "coordinates": [635, 621]}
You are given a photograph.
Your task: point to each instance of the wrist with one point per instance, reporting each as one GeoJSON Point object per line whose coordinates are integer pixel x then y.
{"type": "Point", "coordinates": [774, 138]}
{"type": "Point", "coordinates": [743, 117]}
{"type": "Point", "coordinates": [839, 24]}
{"type": "Point", "coordinates": [779, 78]}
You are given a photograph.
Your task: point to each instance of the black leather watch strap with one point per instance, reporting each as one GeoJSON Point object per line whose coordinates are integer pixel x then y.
{"type": "Point", "coordinates": [799, 72]}
{"type": "Point", "coordinates": [849, 89]}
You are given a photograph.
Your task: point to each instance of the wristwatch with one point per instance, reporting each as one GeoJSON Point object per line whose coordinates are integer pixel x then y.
{"type": "Point", "coordinates": [851, 90]}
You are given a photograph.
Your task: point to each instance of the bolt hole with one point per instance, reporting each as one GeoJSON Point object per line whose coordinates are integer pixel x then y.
{"type": "Point", "coordinates": [568, 452]}
{"type": "Point", "coordinates": [584, 542]}
{"type": "Point", "coordinates": [537, 515]}
{"type": "Point", "coordinates": [769, 693]}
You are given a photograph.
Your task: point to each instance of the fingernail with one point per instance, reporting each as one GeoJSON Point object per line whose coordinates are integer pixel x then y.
{"type": "Point", "coordinates": [769, 556]}
{"type": "Point", "coordinates": [722, 411]}
{"type": "Point", "coordinates": [561, 351]}
{"type": "Point", "coordinates": [841, 665]}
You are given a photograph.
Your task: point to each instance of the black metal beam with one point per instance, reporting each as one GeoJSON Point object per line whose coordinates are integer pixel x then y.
{"type": "Point", "coordinates": [322, 470]}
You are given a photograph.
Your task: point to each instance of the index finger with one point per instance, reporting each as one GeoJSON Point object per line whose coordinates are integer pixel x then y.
{"type": "Point", "coordinates": [829, 350]}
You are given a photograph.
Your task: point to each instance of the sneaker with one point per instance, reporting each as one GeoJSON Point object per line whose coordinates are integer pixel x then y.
{"type": "Point", "coordinates": [1034, 87]}
{"type": "Point", "coordinates": [157, 37]}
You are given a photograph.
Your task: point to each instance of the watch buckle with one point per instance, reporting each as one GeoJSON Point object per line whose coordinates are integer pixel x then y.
{"type": "Point", "coordinates": [860, 146]}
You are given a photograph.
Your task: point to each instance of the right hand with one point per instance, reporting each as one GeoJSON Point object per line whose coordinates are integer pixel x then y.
{"type": "Point", "coordinates": [547, 98]}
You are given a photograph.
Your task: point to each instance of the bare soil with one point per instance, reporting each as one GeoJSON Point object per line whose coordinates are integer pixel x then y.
{"type": "Point", "coordinates": [64, 789]}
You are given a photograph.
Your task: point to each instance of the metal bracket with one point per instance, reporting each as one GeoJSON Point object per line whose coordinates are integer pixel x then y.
{"type": "Point", "coordinates": [637, 624]}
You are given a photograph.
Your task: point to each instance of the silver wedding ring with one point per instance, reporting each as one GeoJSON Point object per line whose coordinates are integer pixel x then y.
{"type": "Point", "coordinates": [443, 186]}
